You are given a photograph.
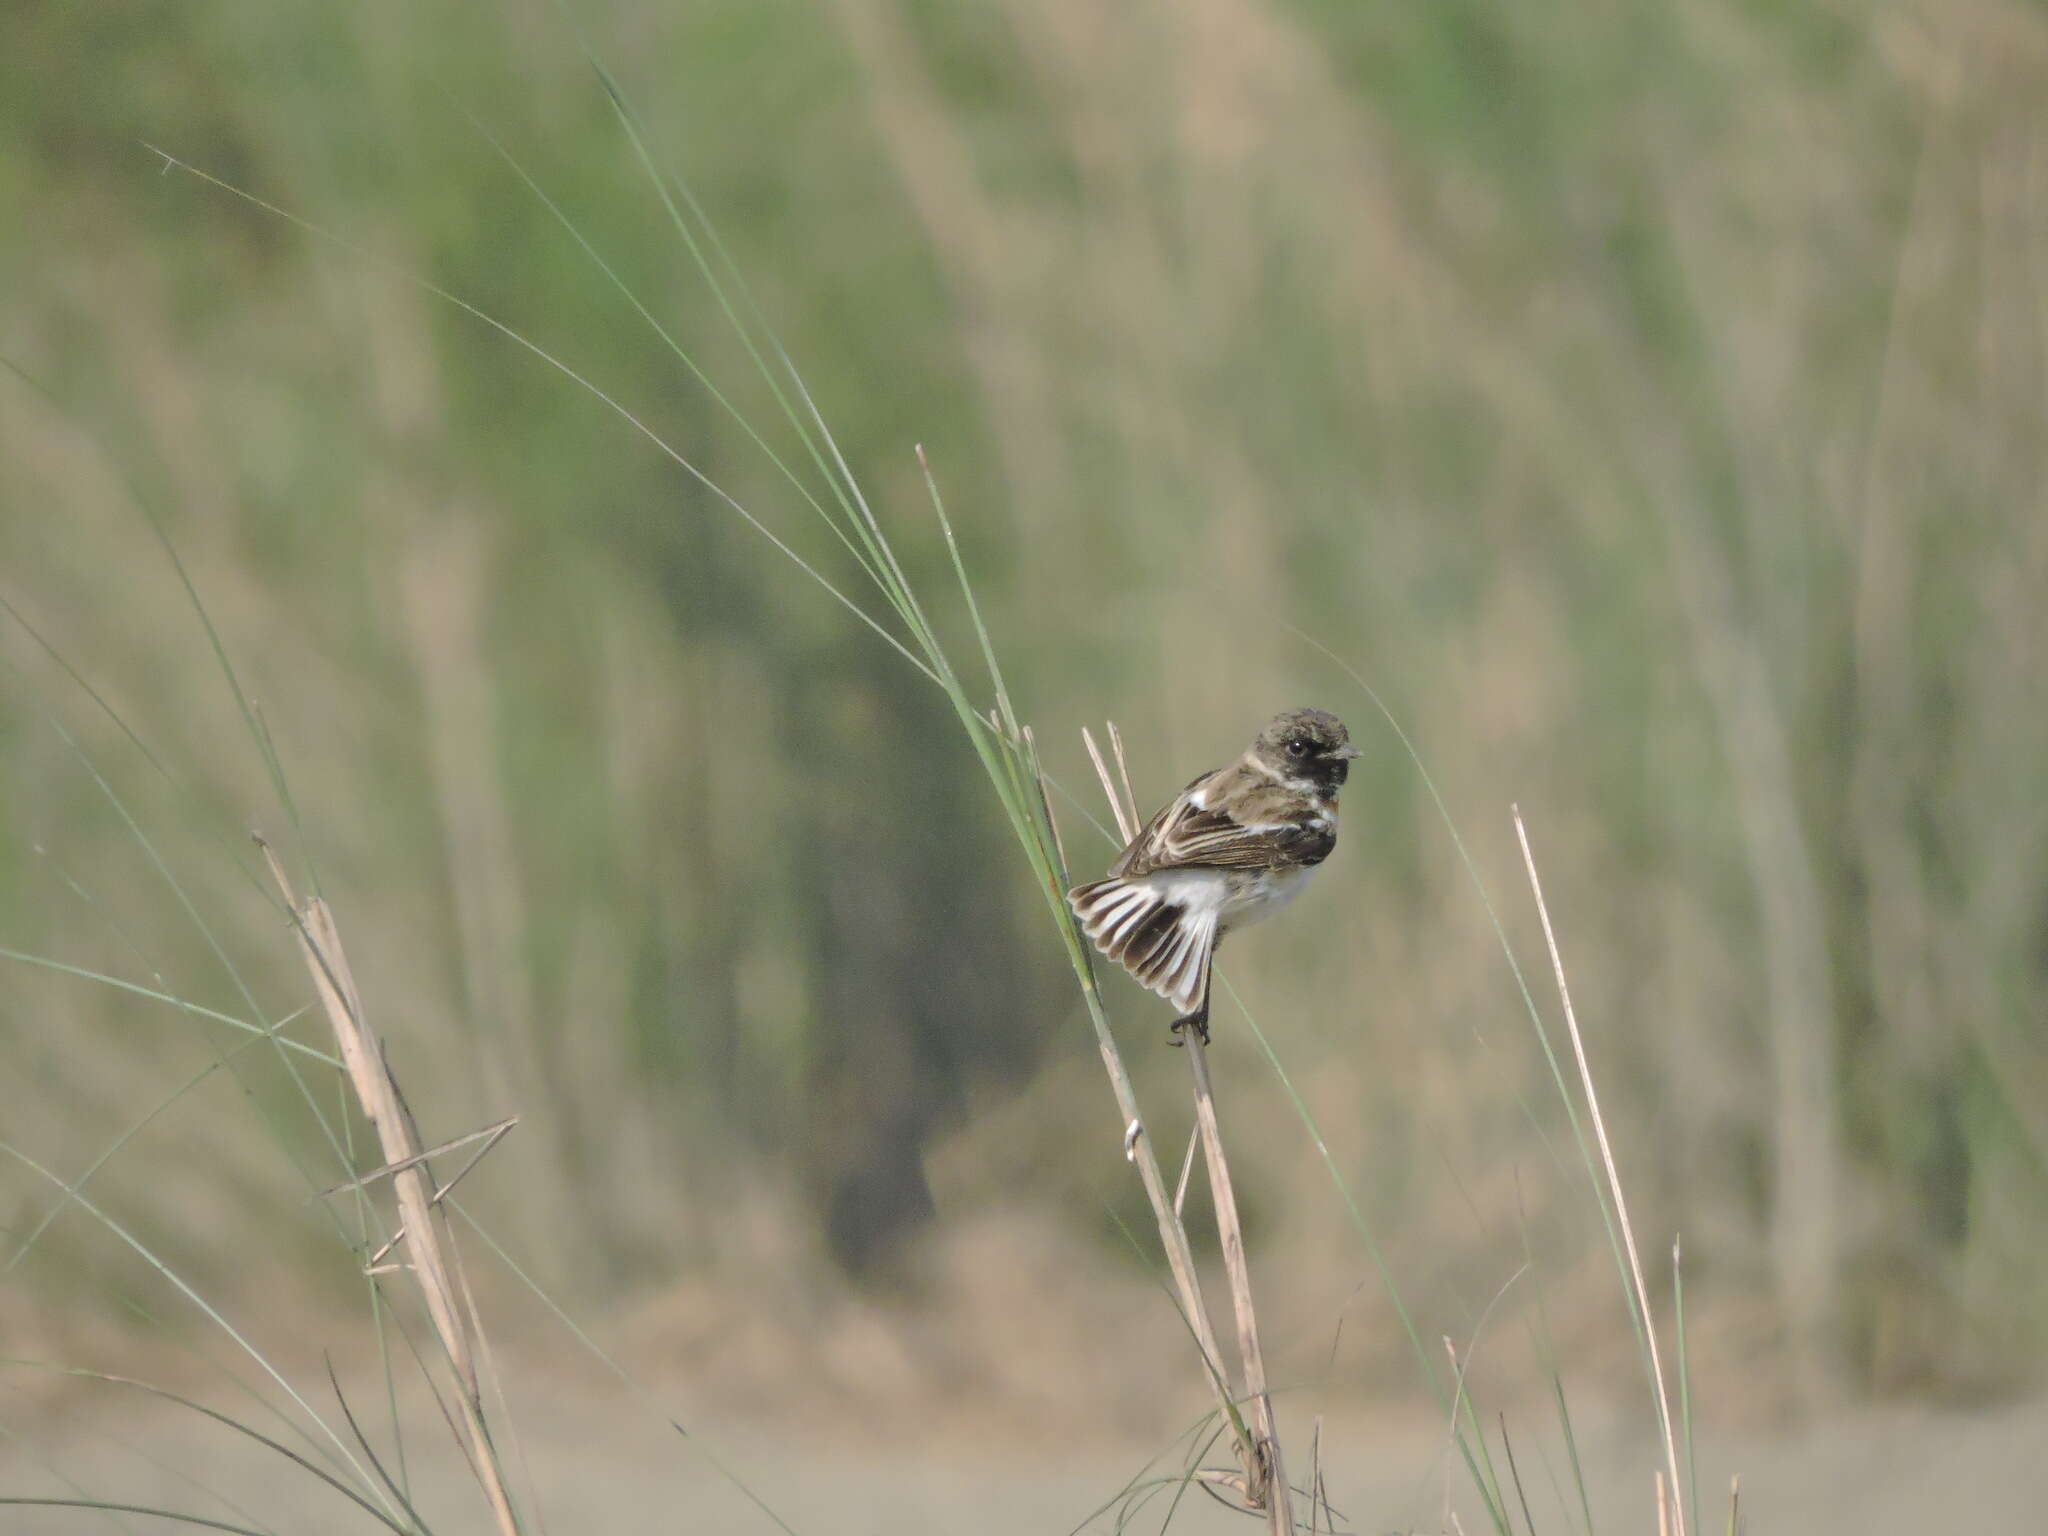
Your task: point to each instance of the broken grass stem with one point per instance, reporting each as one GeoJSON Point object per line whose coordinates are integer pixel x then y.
{"type": "Point", "coordinates": [377, 1092]}
{"type": "Point", "coordinates": [1269, 1484]}
{"type": "Point", "coordinates": [1173, 1237]}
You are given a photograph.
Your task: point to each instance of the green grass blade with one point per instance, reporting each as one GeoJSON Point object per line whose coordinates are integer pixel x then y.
{"type": "Point", "coordinates": [581, 381]}
{"type": "Point", "coordinates": [108, 1506]}
{"type": "Point", "coordinates": [681, 353]}
{"type": "Point", "coordinates": [1565, 1092]}
{"type": "Point", "coordinates": [229, 1422]}
{"type": "Point", "coordinates": [1692, 1469]}
{"type": "Point", "coordinates": [93, 1167]}
{"type": "Point", "coordinates": [136, 989]}
{"type": "Point", "coordinates": [205, 1307]}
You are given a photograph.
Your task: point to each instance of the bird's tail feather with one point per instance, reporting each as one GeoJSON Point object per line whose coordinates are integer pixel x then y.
{"type": "Point", "coordinates": [1162, 943]}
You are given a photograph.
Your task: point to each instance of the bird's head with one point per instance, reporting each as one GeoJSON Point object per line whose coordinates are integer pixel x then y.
{"type": "Point", "coordinates": [1307, 748]}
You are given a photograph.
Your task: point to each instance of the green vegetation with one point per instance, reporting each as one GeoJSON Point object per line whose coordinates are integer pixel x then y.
{"type": "Point", "coordinates": [1645, 400]}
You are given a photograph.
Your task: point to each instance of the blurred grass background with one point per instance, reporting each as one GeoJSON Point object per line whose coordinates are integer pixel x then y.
{"type": "Point", "coordinates": [1647, 399]}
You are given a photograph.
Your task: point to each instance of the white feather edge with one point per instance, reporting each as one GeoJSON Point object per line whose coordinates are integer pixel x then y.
{"type": "Point", "coordinates": [1110, 914]}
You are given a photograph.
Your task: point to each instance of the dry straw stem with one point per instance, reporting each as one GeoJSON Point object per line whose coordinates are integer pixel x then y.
{"type": "Point", "coordinates": [1274, 1494]}
{"type": "Point", "coordinates": [1635, 1263]}
{"type": "Point", "coordinates": [1265, 1469]}
{"type": "Point", "coordinates": [428, 1246]}
{"type": "Point", "coordinates": [1173, 1237]}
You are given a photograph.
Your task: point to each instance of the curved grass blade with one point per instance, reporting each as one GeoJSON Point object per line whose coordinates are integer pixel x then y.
{"type": "Point", "coordinates": [228, 1421]}
{"type": "Point", "coordinates": [213, 1314]}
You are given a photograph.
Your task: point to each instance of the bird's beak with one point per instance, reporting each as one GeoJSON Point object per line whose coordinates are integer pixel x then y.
{"type": "Point", "coordinates": [1345, 753]}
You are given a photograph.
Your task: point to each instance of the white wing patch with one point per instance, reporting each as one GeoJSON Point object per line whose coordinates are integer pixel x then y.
{"type": "Point", "coordinates": [1161, 928]}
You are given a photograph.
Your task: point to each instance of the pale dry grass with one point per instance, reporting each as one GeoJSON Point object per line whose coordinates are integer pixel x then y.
{"type": "Point", "coordinates": [424, 1239]}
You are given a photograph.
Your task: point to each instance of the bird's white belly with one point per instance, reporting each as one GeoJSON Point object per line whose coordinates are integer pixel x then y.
{"type": "Point", "coordinates": [1256, 896]}
{"type": "Point", "coordinates": [1237, 897]}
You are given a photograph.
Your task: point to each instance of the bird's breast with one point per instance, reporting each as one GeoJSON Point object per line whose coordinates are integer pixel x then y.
{"type": "Point", "coordinates": [1252, 896]}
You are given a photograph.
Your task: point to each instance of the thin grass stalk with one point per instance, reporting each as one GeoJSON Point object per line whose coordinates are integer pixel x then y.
{"type": "Point", "coordinates": [639, 307]}
{"type": "Point", "coordinates": [1123, 809]}
{"type": "Point", "coordinates": [1546, 1354]}
{"type": "Point", "coordinates": [1191, 1476]}
{"type": "Point", "coordinates": [1193, 1434]}
{"type": "Point", "coordinates": [132, 483]}
{"type": "Point", "coordinates": [212, 1313]}
{"type": "Point", "coordinates": [1485, 1477]}
{"type": "Point", "coordinates": [91, 1169]}
{"type": "Point", "coordinates": [1316, 1496]}
{"type": "Point", "coordinates": [1173, 1235]}
{"type": "Point", "coordinates": [881, 563]}
{"type": "Point", "coordinates": [1637, 1320]}
{"type": "Point", "coordinates": [610, 402]}
{"type": "Point", "coordinates": [390, 1483]}
{"type": "Point", "coordinates": [1010, 756]}
{"type": "Point", "coordinates": [317, 1438]}
{"type": "Point", "coordinates": [1635, 1263]}
{"type": "Point", "coordinates": [1123, 769]}
{"type": "Point", "coordinates": [1692, 1465]}
{"type": "Point", "coordinates": [31, 1456]}
{"type": "Point", "coordinates": [253, 718]}
{"type": "Point", "coordinates": [377, 1093]}
{"type": "Point", "coordinates": [1472, 1459]}
{"type": "Point", "coordinates": [190, 907]}
{"type": "Point", "coordinates": [275, 1446]}
{"type": "Point", "coordinates": [1514, 1472]}
{"type": "Point", "coordinates": [217, 826]}
{"type": "Point", "coordinates": [1270, 1489]}
{"type": "Point", "coordinates": [1267, 1485]}
{"type": "Point", "coordinates": [136, 989]}
{"type": "Point", "coordinates": [107, 1507]}
{"type": "Point", "coordinates": [1187, 1168]}
{"type": "Point", "coordinates": [699, 236]}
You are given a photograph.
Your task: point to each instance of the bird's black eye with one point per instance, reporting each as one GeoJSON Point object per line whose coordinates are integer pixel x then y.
{"type": "Point", "coordinates": [1298, 747]}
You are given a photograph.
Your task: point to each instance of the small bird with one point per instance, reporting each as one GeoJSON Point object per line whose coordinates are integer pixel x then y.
{"type": "Point", "coordinates": [1232, 848]}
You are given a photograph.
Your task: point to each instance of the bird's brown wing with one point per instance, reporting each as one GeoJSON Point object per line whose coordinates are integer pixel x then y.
{"type": "Point", "coordinates": [1240, 824]}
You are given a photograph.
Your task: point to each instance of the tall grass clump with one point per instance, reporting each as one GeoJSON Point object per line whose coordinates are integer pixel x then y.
{"type": "Point", "coordinates": [405, 1248]}
{"type": "Point", "coordinates": [1004, 746]}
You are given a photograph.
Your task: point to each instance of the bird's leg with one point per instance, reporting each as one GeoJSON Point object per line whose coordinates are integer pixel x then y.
{"type": "Point", "coordinates": [1198, 1021]}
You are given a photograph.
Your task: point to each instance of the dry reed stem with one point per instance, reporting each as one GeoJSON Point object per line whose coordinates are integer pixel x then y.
{"type": "Point", "coordinates": [1187, 1167]}
{"type": "Point", "coordinates": [1123, 769]}
{"type": "Point", "coordinates": [1124, 807]}
{"type": "Point", "coordinates": [490, 1135]}
{"type": "Point", "coordinates": [1180, 1260]}
{"type": "Point", "coordinates": [1269, 1481]}
{"type": "Point", "coordinates": [1628, 1234]}
{"type": "Point", "coordinates": [1265, 1472]}
{"type": "Point", "coordinates": [377, 1092]}
{"type": "Point", "coordinates": [1318, 1490]}
{"type": "Point", "coordinates": [1138, 1149]}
